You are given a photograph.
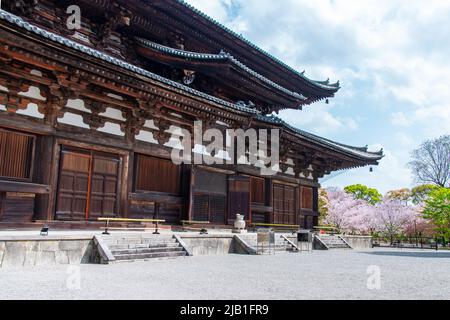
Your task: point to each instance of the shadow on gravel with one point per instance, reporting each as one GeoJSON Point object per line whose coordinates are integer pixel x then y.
{"type": "Point", "coordinates": [425, 254]}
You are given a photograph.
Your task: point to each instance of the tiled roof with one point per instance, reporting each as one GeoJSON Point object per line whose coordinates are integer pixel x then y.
{"type": "Point", "coordinates": [4, 15]}
{"type": "Point", "coordinates": [322, 84]}
{"type": "Point", "coordinates": [356, 151]}
{"type": "Point", "coordinates": [360, 153]}
{"type": "Point", "coordinates": [222, 56]}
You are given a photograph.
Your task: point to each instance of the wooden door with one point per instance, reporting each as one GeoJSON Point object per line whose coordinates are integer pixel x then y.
{"type": "Point", "coordinates": [104, 182]}
{"type": "Point", "coordinates": [209, 196]}
{"type": "Point", "coordinates": [88, 185]}
{"type": "Point", "coordinates": [73, 186]}
{"type": "Point", "coordinates": [289, 205]}
{"type": "Point", "coordinates": [278, 204]}
{"type": "Point", "coordinates": [239, 198]}
{"type": "Point", "coordinates": [283, 204]}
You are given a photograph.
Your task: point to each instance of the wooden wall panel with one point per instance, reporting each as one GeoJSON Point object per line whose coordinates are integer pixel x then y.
{"type": "Point", "coordinates": [142, 210]}
{"type": "Point", "coordinates": [289, 205]}
{"type": "Point", "coordinates": [258, 190]}
{"type": "Point", "coordinates": [210, 182]}
{"type": "Point", "coordinates": [239, 201]}
{"type": "Point", "coordinates": [159, 175]}
{"type": "Point", "coordinates": [200, 208]}
{"type": "Point", "coordinates": [16, 154]}
{"type": "Point", "coordinates": [306, 196]}
{"type": "Point", "coordinates": [18, 208]}
{"type": "Point", "coordinates": [104, 184]}
{"type": "Point", "coordinates": [278, 196]}
{"type": "Point", "coordinates": [284, 204]}
{"type": "Point", "coordinates": [88, 185]}
{"type": "Point", "coordinates": [217, 208]}
{"type": "Point", "coordinates": [73, 186]}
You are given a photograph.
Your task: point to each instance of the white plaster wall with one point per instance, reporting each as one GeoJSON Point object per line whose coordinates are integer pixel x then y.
{"type": "Point", "coordinates": [73, 120]}
{"type": "Point", "coordinates": [31, 111]}
{"type": "Point", "coordinates": [112, 128]}
{"type": "Point", "coordinates": [77, 104]}
{"type": "Point", "coordinates": [174, 143]}
{"type": "Point", "coordinates": [33, 92]}
{"type": "Point", "coordinates": [113, 113]}
{"type": "Point", "coordinates": [150, 124]}
{"type": "Point", "coordinates": [146, 136]}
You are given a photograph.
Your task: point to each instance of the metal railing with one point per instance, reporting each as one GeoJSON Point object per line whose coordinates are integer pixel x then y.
{"type": "Point", "coordinates": [411, 242]}
{"type": "Point", "coordinates": [108, 220]}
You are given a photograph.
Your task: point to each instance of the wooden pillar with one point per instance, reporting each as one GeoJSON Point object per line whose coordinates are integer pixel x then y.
{"type": "Point", "coordinates": [127, 185]}
{"type": "Point", "coordinates": [2, 204]}
{"type": "Point", "coordinates": [269, 199]}
{"type": "Point", "coordinates": [315, 206]}
{"type": "Point", "coordinates": [43, 175]}
{"type": "Point", "coordinates": [191, 192]}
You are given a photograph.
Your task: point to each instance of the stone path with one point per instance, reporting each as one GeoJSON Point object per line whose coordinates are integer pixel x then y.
{"type": "Point", "coordinates": [336, 274]}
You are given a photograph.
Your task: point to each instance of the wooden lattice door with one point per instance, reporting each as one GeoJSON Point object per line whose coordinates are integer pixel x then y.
{"type": "Point", "coordinates": [284, 204]}
{"type": "Point", "coordinates": [278, 204]}
{"type": "Point", "coordinates": [209, 196]}
{"type": "Point", "coordinates": [239, 197]}
{"type": "Point", "coordinates": [104, 180]}
{"type": "Point", "coordinates": [88, 185]}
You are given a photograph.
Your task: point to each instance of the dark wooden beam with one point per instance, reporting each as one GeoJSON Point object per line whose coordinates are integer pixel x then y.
{"type": "Point", "coordinates": [155, 197]}
{"type": "Point", "coordinates": [2, 204]}
{"type": "Point", "coordinates": [23, 187]}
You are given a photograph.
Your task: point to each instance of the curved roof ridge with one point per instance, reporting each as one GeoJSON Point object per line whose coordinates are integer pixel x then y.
{"type": "Point", "coordinates": [11, 18]}
{"type": "Point", "coordinates": [5, 15]}
{"type": "Point", "coordinates": [221, 56]}
{"type": "Point", "coordinates": [359, 151]}
{"type": "Point", "coordinates": [254, 46]}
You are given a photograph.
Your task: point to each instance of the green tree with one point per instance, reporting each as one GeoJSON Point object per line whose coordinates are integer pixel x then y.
{"type": "Point", "coordinates": [437, 209]}
{"type": "Point", "coordinates": [420, 193]}
{"type": "Point", "coordinates": [360, 191]}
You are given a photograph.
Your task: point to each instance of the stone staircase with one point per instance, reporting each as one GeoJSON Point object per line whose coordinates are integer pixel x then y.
{"type": "Point", "coordinates": [333, 242]}
{"type": "Point", "coordinates": [281, 244]}
{"type": "Point", "coordinates": [143, 247]}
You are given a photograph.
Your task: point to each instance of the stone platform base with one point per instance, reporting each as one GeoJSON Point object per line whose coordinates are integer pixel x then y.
{"type": "Point", "coordinates": [39, 251]}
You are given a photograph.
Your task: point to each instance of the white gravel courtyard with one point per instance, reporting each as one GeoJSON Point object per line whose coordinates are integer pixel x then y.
{"type": "Point", "coordinates": [405, 274]}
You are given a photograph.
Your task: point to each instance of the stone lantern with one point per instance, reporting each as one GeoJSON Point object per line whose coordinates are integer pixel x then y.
{"type": "Point", "coordinates": [239, 224]}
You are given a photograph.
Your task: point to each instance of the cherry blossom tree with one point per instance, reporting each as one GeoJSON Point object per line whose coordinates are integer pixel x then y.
{"type": "Point", "coordinates": [346, 213]}
{"type": "Point", "coordinates": [390, 217]}
{"type": "Point", "coordinates": [394, 217]}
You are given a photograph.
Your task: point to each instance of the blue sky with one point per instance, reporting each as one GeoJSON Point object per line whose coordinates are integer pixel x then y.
{"type": "Point", "coordinates": [391, 57]}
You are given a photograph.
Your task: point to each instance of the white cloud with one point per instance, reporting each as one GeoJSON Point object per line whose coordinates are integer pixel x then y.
{"type": "Point", "coordinates": [390, 55]}
{"type": "Point", "coordinates": [392, 173]}
{"type": "Point", "coordinates": [400, 119]}
{"type": "Point", "coordinates": [320, 119]}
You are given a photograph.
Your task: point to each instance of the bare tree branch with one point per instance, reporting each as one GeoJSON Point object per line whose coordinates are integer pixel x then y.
{"type": "Point", "coordinates": [431, 162]}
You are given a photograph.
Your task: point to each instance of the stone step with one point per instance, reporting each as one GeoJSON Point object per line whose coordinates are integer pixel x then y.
{"type": "Point", "coordinates": [143, 246]}
{"type": "Point", "coordinates": [147, 250]}
{"type": "Point", "coordinates": [140, 242]}
{"type": "Point", "coordinates": [142, 256]}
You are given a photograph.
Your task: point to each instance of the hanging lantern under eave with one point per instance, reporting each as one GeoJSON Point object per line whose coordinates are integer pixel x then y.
{"type": "Point", "coordinates": [371, 169]}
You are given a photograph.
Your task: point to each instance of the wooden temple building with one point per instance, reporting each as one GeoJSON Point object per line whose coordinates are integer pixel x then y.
{"type": "Point", "coordinates": [87, 115]}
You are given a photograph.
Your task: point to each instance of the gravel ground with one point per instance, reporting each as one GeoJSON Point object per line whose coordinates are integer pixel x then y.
{"type": "Point", "coordinates": [334, 274]}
